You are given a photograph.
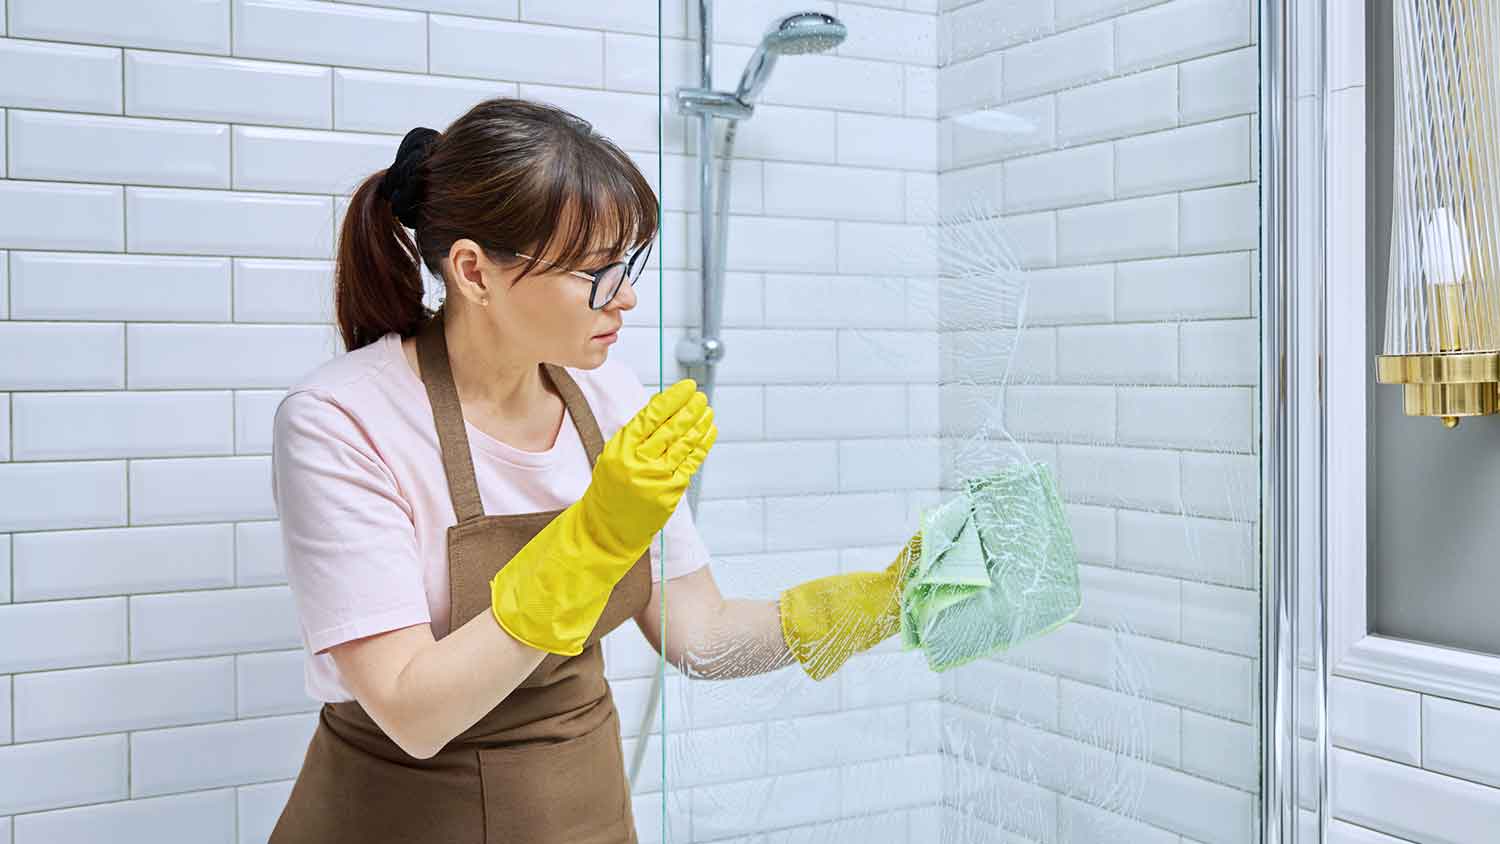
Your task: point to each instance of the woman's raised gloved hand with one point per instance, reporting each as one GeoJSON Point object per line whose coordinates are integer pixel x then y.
{"type": "Point", "coordinates": [552, 592]}
{"type": "Point", "coordinates": [828, 620]}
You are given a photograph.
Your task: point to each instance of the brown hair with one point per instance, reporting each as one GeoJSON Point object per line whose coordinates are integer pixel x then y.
{"type": "Point", "coordinates": [501, 175]}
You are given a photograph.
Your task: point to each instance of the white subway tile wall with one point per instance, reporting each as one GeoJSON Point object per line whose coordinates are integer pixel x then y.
{"type": "Point", "coordinates": [200, 152]}
{"type": "Point", "coordinates": [1138, 217]}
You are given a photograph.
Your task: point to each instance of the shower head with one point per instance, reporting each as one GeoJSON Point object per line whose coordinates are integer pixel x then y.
{"type": "Point", "coordinates": [803, 32]}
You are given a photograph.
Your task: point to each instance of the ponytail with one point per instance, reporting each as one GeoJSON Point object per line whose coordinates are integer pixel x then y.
{"type": "Point", "coordinates": [377, 286]}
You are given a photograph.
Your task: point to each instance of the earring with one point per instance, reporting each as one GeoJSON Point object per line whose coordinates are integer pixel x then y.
{"type": "Point", "coordinates": [484, 301]}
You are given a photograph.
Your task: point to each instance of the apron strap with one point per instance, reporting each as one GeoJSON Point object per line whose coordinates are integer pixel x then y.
{"type": "Point", "coordinates": [578, 408]}
{"type": "Point", "coordinates": [447, 416]}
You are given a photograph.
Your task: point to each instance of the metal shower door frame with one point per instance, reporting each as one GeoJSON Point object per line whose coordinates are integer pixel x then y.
{"type": "Point", "coordinates": [1293, 151]}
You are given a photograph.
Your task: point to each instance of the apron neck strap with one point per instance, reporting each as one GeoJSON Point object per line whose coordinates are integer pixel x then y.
{"type": "Point", "coordinates": [447, 416]}
{"type": "Point", "coordinates": [578, 408]}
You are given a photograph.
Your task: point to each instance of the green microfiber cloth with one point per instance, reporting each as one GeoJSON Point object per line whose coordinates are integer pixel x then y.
{"type": "Point", "coordinates": [997, 567]}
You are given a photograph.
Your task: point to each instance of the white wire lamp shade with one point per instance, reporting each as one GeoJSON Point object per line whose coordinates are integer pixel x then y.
{"type": "Point", "coordinates": [1442, 318]}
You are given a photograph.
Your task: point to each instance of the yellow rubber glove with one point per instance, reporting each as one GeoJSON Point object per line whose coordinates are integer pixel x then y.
{"type": "Point", "coordinates": [552, 592]}
{"type": "Point", "coordinates": [828, 620]}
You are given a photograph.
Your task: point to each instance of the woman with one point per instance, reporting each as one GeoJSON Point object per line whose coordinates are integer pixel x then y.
{"type": "Point", "coordinates": [459, 533]}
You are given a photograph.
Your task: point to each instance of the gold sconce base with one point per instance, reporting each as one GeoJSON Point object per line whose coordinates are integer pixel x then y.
{"type": "Point", "coordinates": [1450, 386]}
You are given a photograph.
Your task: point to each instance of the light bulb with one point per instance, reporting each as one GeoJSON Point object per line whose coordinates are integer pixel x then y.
{"type": "Point", "coordinates": [1445, 253]}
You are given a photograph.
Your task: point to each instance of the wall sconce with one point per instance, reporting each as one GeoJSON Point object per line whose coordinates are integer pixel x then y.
{"type": "Point", "coordinates": [1442, 317]}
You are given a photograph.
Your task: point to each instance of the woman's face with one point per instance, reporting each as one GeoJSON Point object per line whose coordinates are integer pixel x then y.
{"type": "Point", "coordinates": [547, 313]}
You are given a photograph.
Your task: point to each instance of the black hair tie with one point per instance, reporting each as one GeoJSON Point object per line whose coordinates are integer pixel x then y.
{"type": "Point", "coordinates": [400, 185]}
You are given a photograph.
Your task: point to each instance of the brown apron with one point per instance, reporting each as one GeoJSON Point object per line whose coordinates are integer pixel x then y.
{"type": "Point", "coordinates": [545, 765]}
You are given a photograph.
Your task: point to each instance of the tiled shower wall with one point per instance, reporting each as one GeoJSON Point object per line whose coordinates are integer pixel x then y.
{"type": "Point", "coordinates": [173, 174]}
{"type": "Point", "coordinates": [1127, 177]}
{"type": "Point", "coordinates": [826, 401]}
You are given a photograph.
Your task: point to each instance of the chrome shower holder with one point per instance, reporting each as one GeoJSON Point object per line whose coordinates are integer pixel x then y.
{"type": "Point", "coordinates": [701, 101]}
{"type": "Point", "coordinates": [699, 351]}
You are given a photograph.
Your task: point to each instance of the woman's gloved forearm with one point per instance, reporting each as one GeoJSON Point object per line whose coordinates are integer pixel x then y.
{"type": "Point", "coordinates": [552, 592]}
{"type": "Point", "coordinates": [828, 620]}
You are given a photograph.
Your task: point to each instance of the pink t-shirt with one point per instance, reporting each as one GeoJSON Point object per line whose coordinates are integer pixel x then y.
{"type": "Point", "coordinates": [358, 481]}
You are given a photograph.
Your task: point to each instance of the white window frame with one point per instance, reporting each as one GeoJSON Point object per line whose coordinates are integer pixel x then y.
{"type": "Point", "coordinates": [1356, 652]}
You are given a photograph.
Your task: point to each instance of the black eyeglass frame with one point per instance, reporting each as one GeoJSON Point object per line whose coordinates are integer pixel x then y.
{"type": "Point", "coordinates": [630, 270]}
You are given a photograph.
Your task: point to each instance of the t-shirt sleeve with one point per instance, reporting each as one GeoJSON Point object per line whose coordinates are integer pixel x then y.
{"type": "Point", "coordinates": [347, 533]}
{"type": "Point", "coordinates": [684, 549]}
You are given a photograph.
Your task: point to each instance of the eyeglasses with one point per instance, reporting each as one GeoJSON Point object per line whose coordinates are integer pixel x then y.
{"type": "Point", "coordinates": [610, 278]}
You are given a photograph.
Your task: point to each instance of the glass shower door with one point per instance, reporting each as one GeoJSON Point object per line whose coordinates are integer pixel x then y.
{"type": "Point", "coordinates": [987, 273]}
